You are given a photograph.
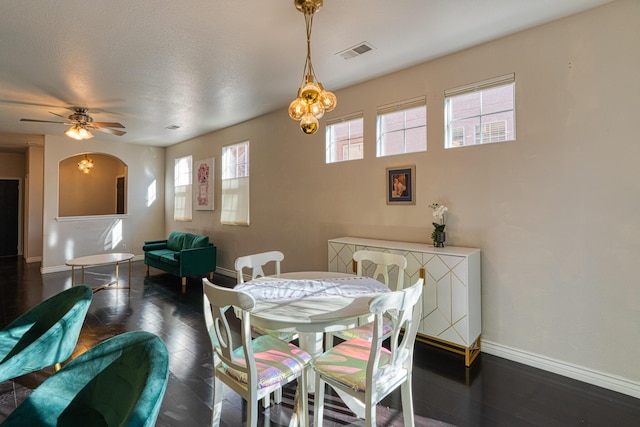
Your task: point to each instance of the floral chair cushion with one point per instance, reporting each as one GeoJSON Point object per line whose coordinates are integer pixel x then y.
{"type": "Point", "coordinates": [275, 361]}
{"type": "Point", "coordinates": [347, 364]}
{"type": "Point", "coordinates": [366, 331]}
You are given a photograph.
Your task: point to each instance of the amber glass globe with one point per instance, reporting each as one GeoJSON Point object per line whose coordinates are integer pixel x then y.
{"type": "Point", "coordinates": [297, 108]}
{"type": "Point", "coordinates": [328, 100]}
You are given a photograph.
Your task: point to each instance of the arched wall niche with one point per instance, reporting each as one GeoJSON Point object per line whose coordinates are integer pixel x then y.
{"type": "Point", "coordinates": [102, 191]}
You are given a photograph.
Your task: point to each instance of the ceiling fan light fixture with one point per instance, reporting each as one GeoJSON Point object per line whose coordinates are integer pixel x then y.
{"type": "Point", "coordinates": [312, 101]}
{"type": "Point", "coordinates": [78, 132]}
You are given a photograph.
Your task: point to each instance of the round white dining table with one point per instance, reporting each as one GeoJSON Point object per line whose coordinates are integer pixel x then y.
{"type": "Point", "coordinates": [312, 303]}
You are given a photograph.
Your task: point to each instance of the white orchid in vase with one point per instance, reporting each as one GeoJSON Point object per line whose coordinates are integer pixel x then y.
{"type": "Point", "coordinates": [438, 235]}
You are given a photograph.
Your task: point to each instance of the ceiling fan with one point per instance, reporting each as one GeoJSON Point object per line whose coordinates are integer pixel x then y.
{"type": "Point", "coordinates": [81, 122]}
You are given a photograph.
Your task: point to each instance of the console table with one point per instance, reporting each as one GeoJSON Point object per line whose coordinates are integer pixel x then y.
{"type": "Point", "coordinates": [451, 313]}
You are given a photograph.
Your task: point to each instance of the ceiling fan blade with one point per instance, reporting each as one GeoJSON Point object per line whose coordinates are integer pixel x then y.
{"type": "Point", "coordinates": [56, 114]}
{"type": "Point", "coordinates": [107, 130]}
{"type": "Point", "coordinates": [107, 125]}
{"type": "Point", "coordinates": [42, 121]}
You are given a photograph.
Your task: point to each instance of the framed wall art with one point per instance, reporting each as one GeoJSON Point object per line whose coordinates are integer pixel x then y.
{"type": "Point", "coordinates": [401, 188]}
{"type": "Point", "coordinates": [203, 185]}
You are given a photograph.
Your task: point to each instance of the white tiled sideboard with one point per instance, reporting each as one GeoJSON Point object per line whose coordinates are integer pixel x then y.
{"type": "Point", "coordinates": [451, 314]}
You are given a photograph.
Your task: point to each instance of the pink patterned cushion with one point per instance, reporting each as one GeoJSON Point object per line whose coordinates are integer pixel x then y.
{"type": "Point", "coordinates": [275, 359]}
{"type": "Point", "coordinates": [366, 331]}
{"type": "Point", "coordinates": [347, 364]}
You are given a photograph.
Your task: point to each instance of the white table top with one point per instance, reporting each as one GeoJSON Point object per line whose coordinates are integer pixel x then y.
{"type": "Point", "coordinates": [99, 259]}
{"type": "Point", "coordinates": [313, 313]}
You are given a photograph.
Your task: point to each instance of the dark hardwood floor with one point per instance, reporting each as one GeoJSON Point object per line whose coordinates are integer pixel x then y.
{"type": "Point", "coordinates": [493, 392]}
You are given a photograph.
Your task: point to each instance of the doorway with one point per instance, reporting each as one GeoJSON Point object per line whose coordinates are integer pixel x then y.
{"type": "Point", "coordinates": [9, 216]}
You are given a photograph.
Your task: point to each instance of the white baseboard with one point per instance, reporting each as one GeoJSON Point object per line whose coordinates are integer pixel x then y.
{"type": "Point", "coordinates": [57, 268]}
{"type": "Point", "coordinates": [600, 379]}
{"type": "Point", "coordinates": [225, 272]}
{"type": "Point", "coordinates": [29, 260]}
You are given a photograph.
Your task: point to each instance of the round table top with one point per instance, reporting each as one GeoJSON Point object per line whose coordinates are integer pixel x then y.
{"type": "Point", "coordinates": [99, 259]}
{"type": "Point", "coordinates": [313, 314]}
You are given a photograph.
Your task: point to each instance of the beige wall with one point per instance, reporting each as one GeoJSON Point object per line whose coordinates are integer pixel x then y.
{"type": "Point", "coordinates": [555, 212]}
{"type": "Point", "coordinates": [33, 204]}
{"type": "Point", "coordinates": [69, 238]}
{"type": "Point", "coordinates": [89, 194]}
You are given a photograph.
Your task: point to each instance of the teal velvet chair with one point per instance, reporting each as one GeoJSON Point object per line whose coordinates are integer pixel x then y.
{"type": "Point", "coordinates": [119, 382]}
{"type": "Point", "coordinates": [44, 336]}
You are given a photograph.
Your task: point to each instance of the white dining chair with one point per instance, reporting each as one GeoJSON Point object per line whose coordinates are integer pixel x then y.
{"type": "Point", "coordinates": [255, 263]}
{"type": "Point", "coordinates": [254, 367]}
{"type": "Point", "coordinates": [384, 262]}
{"type": "Point", "coordinates": [368, 371]}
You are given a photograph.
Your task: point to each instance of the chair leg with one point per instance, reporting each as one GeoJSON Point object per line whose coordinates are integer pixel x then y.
{"type": "Point", "coordinates": [266, 401]}
{"type": "Point", "coordinates": [252, 412]}
{"type": "Point", "coordinates": [184, 285]}
{"type": "Point", "coordinates": [216, 410]}
{"type": "Point", "coordinates": [147, 265]}
{"type": "Point", "coordinates": [277, 396]}
{"type": "Point", "coordinates": [318, 406]}
{"type": "Point", "coordinates": [407, 403]}
{"type": "Point", "coordinates": [303, 405]}
{"type": "Point", "coordinates": [370, 414]}
{"type": "Point", "coordinates": [211, 277]}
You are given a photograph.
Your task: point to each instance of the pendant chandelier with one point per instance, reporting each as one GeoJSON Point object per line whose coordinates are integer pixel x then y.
{"type": "Point", "coordinates": [312, 101]}
{"type": "Point", "coordinates": [85, 164]}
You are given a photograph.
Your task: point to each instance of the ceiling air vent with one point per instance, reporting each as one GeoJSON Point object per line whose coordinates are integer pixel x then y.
{"type": "Point", "coordinates": [356, 50]}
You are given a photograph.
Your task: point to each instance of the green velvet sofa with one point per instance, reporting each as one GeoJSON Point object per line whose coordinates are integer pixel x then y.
{"type": "Point", "coordinates": [182, 254]}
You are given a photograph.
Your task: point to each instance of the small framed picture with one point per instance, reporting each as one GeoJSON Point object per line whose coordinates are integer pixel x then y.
{"type": "Point", "coordinates": [401, 188]}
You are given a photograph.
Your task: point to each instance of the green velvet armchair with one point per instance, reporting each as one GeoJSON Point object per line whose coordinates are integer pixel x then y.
{"type": "Point", "coordinates": [44, 336]}
{"type": "Point", "coordinates": [119, 382]}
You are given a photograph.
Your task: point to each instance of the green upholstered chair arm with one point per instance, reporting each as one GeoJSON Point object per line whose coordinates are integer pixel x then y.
{"type": "Point", "coordinates": [119, 382]}
{"type": "Point", "coordinates": [154, 245]}
{"type": "Point", "coordinates": [45, 335]}
{"type": "Point", "coordinates": [198, 260]}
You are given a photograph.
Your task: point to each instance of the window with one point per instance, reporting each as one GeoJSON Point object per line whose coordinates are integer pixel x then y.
{"type": "Point", "coordinates": [235, 184]}
{"type": "Point", "coordinates": [182, 189]}
{"type": "Point", "coordinates": [402, 128]}
{"type": "Point", "coordinates": [344, 139]}
{"type": "Point", "coordinates": [480, 113]}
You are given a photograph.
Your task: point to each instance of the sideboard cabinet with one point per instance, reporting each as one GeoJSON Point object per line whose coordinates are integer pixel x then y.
{"type": "Point", "coordinates": [451, 314]}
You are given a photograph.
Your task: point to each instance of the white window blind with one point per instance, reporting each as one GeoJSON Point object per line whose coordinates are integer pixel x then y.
{"type": "Point", "coordinates": [182, 189]}
{"type": "Point", "coordinates": [235, 184]}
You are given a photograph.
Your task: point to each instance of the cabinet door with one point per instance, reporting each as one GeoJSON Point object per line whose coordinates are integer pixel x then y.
{"type": "Point", "coordinates": [340, 257]}
{"type": "Point", "coordinates": [445, 298]}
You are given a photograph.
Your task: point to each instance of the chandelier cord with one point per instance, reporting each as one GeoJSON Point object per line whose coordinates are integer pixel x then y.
{"type": "Point", "coordinates": [308, 66]}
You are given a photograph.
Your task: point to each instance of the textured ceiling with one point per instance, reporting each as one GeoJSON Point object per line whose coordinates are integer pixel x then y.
{"type": "Point", "coordinates": [205, 65]}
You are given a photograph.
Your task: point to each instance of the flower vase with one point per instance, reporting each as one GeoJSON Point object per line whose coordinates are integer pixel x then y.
{"type": "Point", "coordinates": [439, 239]}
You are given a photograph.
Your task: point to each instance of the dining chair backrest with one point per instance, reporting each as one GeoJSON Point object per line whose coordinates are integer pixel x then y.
{"type": "Point", "coordinates": [406, 308]}
{"type": "Point", "coordinates": [46, 335]}
{"type": "Point", "coordinates": [384, 262]}
{"type": "Point", "coordinates": [255, 262]}
{"type": "Point", "coordinates": [217, 300]}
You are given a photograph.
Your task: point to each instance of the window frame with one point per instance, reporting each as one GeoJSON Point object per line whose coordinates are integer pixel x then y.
{"type": "Point", "coordinates": [484, 119]}
{"type": "Point", "coordinates": [331, 144]}
{"type": "Point", "coordinates": [235, 180]}
{"type": "Point", "coordinates": [182, 177]}
{"type": "Point", "coordinates": [404, 107]}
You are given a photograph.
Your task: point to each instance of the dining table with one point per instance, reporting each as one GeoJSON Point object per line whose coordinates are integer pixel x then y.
{"type": "Point", "coordinates": [312, 303]}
